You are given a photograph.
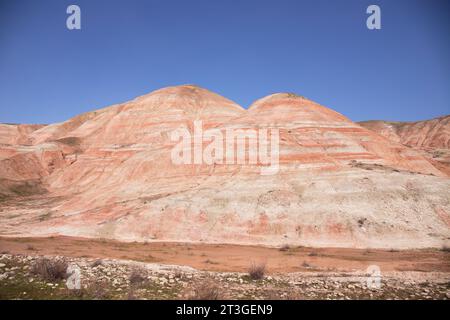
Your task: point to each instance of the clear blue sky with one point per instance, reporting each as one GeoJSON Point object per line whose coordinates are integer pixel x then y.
{"type": "Point", "coordinates": [242, 49]}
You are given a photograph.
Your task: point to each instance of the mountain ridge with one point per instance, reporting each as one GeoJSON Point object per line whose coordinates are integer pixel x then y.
{"type": "Point", "coordinates": [108, 174]}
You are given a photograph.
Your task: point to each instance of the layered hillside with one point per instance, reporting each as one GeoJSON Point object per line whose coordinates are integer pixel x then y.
{"type": "Point", "coordinates": [109, 174]}
{"type": "Point", "coordinates": [430, 137]}
{"type": "Point", "coordinates": [434, 133]}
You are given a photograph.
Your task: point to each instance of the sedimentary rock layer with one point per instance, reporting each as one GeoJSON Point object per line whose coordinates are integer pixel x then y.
{"type": "Point", "coordinates": [109, 174]}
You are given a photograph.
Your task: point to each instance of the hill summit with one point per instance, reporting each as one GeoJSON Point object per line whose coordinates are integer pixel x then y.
{"type": "Point", "coordinates": [109, 174]}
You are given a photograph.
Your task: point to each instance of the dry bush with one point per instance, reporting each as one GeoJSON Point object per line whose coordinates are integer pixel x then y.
{"type": "Point", "coordinates": [137, 276]}
{"type": "Point", "coordinates": [445, 248]}
{"type": "Point", "coordinates": [206, 290]}
{"type": "Point", "coordinates": [208, 261]}
{"type": "Point", "coordinates": [99, 290]}
{"type": "Point", "coordinates": [284, 247]}
{"type": "Point", "coordinates": [273, 294]}
{"type": "Point", "coordinates": [257, 271]}
{"type": "Point", "coordinates": [50, 270]}
{"type": "Point", "coordinates": [97, 263]}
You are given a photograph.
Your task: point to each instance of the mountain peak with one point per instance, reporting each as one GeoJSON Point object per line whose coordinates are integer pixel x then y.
{"type": "Point", "coordinates": [278, 105]}
{"type": "Point", "coordinates": [189, 97]}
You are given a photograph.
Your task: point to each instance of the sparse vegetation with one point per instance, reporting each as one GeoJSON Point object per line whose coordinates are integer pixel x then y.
{"type": "Point", "coordinates": [45, 216]}
{"type": "Point", "coordinates": [361, 222]}
{"type": "Point", "coordinates": [71, 141]}
{"type": "Point", "coordinates": [257, 271]}
{"type": "Point", "coordinates": [445, 248]}
{"type": "Point", "coordinates": [294, 95]}
{"type": "Point", "coordinates": [97, 290]}
{"type": "Point", "coordinates": [50, 270]}
{"type": "Point", "coordinates": [306, 265]}
{"type": "Point", "coordinates": [284, 247]}
{"type": "Point", "coordinates": [208, 261]}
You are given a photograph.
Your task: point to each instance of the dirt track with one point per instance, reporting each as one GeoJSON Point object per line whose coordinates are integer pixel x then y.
{"type": "Point", "coordinates": [234, 258]}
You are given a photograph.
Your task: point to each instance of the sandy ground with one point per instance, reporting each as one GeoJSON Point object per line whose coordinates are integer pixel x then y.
{"type": "Point", "coordinates": [234, 258]}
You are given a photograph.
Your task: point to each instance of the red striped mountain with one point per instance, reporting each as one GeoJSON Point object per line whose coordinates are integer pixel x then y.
{"type": "Point", "coordinates": [108, 174]}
